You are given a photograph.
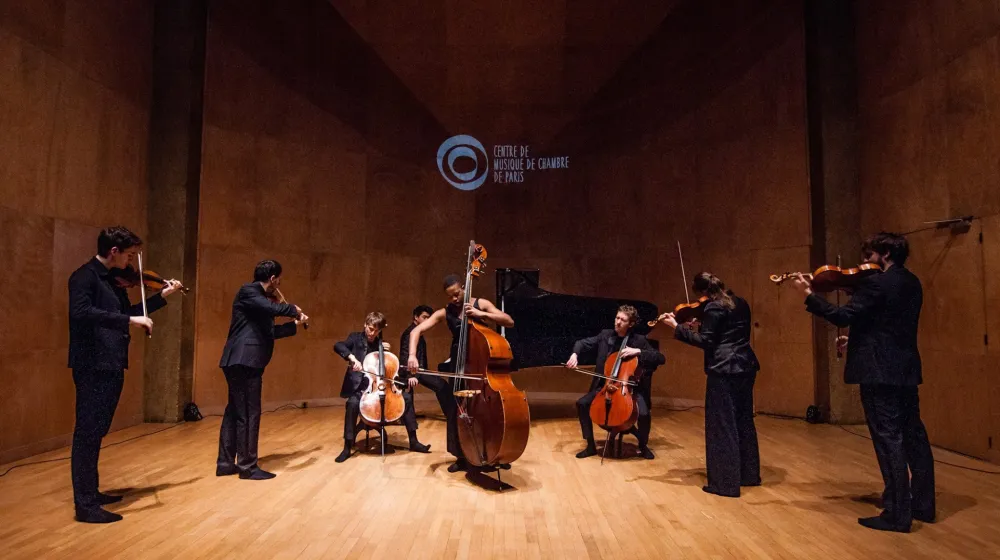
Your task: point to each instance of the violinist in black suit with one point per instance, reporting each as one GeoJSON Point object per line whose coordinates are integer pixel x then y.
{"type": "Point", "coordinates": [248, 350]}
{"type": "Point", "coordinates": [606, 343]}
{"type": "Point", "coordinates": [882, 356]}
{"type": "Point", "coordinates": [731, 452]}
{"type": "Point", "coordinates": [353, 350]}
{"type": "Point", "coordinates": [100, 315]}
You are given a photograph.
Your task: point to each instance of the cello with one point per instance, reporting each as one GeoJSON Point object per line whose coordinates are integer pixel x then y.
{"type": "Point", "coordinates": [382, 401]}
{"type": "Point", "coordinates": [493, 418]}
{"type": "Point", "coordinates": [614, 407]}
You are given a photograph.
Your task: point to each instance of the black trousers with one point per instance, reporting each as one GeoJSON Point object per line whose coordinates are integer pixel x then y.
{"type": "Point", "coordinates": [97, 394]}
{"type": "Point", "coordinates": [731, 452]}
{"type": "Point", "coordinates": [241, 421]}
{"type": "Point", "coordinates": [352, 414]}
{"type": "Point", "coordinates": [644, 422]}
{"type": "Point", "coordinates": [445, 393]}
{"type": "Point", "coordinates": [900, 439]}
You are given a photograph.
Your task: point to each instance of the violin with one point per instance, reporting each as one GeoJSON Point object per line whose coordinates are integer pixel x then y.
{"type": "Point", "coordinates": [493, 417]}
{"type": "Point", "coordinates": [614, 407]}
{"type": "Point", "coordinates": [830, 278]}
{"type": "Point", "coordinates": [684, 312]}
{"type": "Point", "coordinates": [128, 277]}
{"type": "Point", "coordinates": [382, 401]}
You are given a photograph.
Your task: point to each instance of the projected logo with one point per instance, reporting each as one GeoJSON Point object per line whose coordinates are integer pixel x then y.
{"type": "Point", "coordinates": [469, 157]}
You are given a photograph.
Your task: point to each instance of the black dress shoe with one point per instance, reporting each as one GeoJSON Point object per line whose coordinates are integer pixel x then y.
{"type": "Point", "coordinates": [751, 483]}
{"type": "Point", "coordinates": [926, 517]}
{"type": "Point", "coordinates": [717, 492]}
{"type": "Point", "coordinates": [881, 524]}
{"type": "Point", "coordinates": [458, 465]}
{"type": "Point", "coordinates": [96, 515]}
{"type": "Point", "coordinates": [589, 451]}
{"type": "Point", "coordinates": [105, 499]}
{"type": "Point", "coordinates": [227, 470]}
{"type": "Point", "coordinates": [257, 474]}
{"type": "Point", "coordinates": [343, 455]}
{"type": "Point", "coordinates": [646, 453]}
{"type": "Point", "coordinates": [419, 447]}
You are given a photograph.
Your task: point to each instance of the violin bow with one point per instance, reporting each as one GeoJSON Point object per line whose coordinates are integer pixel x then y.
{"type": "Point", "coordinates": [142, 292]}
{"type": "Point", "coordinates": [836, 341]}
{"type": "Point", "coordinates": [680, 257]}
{"type": "Point", "coordinates": [281, 296]}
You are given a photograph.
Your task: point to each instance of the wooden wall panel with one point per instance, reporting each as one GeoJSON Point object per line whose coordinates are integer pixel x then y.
{"type": "Point", "coordinates": [929, 79]}
{"type": "Point", "coordinates": [782, 335]}
{"type": "Point", "coordinates": [74, 109]}
{"type": "Point", "coordinates": [725, 180]}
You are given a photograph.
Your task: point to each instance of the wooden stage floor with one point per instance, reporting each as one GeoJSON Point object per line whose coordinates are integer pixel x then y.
{"type": "Point", "coordinates": [816, 480]}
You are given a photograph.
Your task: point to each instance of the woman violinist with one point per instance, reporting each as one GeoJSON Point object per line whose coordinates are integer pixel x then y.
{"type": "Point", "coordinates": [731, 365]}
{"type": "Point", "coordinates": [637, 347]}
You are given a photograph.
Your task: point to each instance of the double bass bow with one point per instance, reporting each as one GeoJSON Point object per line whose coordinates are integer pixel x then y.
{"type": "Point", "coordinates": [493, 418]}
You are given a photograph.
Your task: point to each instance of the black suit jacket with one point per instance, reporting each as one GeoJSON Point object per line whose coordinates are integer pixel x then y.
{"type": "Point", "coordinates": [724, 335]}
{"type": "Point", "coordinates": [608, 342]}
{"type": "Point", "coordinates": [356, 345]}
{"type": "Point", "coordinates": [404, 348]}
{"type": "Point", "coordinates": [252, 332]}
{"type": "Point", "coordinates": [99, 319]}
{"type": "Point", "coordinates": [883, 315]}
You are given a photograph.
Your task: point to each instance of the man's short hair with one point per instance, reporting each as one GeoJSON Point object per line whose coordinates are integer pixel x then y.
{"type": "Point", "coordinates": [265, 270]}
{"type": "Point", "coordinates": [420, 309]}
{"type": "Point", "coordinates": [375, 319]}
{"type": "Point", "coordinates": [116, 236]}
{"type": "Point", "coordinates": [888, 244]}
{"type": "Point", "coordinates": [629, 311]}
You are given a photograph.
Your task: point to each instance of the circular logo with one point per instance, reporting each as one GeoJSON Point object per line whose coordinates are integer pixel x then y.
{"type": "Point", "coordinates": [458, 147]}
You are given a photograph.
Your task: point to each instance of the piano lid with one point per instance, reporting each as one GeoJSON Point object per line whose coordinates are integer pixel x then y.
{"type": "Point", "coordinates": [547, 324]}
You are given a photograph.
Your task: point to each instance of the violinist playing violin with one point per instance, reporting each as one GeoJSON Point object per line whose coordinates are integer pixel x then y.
{"type": "Point", "coordinates": [731, 452]}
{"type": "Point", "coordinates": [100, 315]}
{"type": "Point", "coordinates": [882, 356]}
{"type": "Point", "coordinates": [353, 350]}
{"type": "Point", "coordinates": [605, 343]}
{"type": "Point", "coordinates": [248, 350]}
{"type": "Point", "coordinates": [480, 310]}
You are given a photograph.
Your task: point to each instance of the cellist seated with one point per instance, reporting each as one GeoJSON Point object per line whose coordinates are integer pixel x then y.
{"type": "Point", "coordinates": [353, 350]}
{"type": "Point", "coordinates": [605, 343]}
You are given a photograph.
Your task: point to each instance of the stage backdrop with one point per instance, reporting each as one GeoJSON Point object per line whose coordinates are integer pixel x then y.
{"type": "Point", "coordinates": [74, 113]}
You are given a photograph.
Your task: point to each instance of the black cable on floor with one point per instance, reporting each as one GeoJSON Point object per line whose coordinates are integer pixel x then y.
{"type": "Point", "coordinates": [936, 460]}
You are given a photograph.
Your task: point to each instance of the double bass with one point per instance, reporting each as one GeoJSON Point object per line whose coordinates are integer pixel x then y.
{"type": "Point", "coordinates": [493, 418]}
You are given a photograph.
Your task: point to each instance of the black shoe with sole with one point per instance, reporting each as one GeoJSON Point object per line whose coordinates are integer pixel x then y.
{"type": "Point", "coordinates": [257, 474]}
{"type": "Point", "coordinates": [96, 515]}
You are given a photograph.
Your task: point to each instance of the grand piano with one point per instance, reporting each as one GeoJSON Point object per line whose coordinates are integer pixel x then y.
{"type": "Point", "coordinates": [546, 324]}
